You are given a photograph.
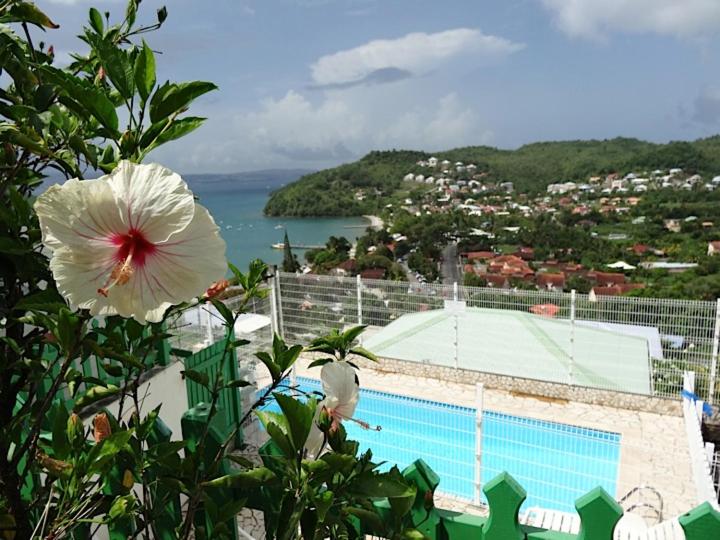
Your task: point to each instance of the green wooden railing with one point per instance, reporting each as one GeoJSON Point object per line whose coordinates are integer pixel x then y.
{"type": "Point", "coordinates": [208, 361]}
{"type": "Point", "coordinates": [599, 514]}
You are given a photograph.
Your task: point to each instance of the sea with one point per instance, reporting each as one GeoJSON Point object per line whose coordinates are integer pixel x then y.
{"type": "Point", "coordinates": [249, 234]}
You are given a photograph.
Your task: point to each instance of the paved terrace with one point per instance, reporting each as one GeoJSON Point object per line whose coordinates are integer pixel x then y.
{"type": "Point", "coordinates": [654, 449]}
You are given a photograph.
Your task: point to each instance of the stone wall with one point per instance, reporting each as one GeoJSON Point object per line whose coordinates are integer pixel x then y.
{"type": "Point", "coordinates": [531, 387]}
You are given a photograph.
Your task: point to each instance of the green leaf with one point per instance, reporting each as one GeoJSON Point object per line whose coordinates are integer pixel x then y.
{"type": "Point", "coordinates": [96, 393]}
{"type": "Point", "coordinates": [48, 300]}
{"type": "Point", "coordinates": [60, 441]}
{"type": "Point", "coordinates": [112, 369]}
{"type": "Point", "coordinates": [225, 312]}
{"type": "Point", "coordinates": [101, 454]}
{"type": "Point", "coordinates": [170, 131]}
{"type": "Point", "coordinates": [323, 502]}
{"type": "Point", "coordinates": [237, 384]}
{"type": "Point", "coordinates": [67, 329]}
{"type": "Point", "coordinates": [92, 99]}
{"type": "Point", "coordinates": [200, 378]}
{"type": "Point", "coordinates": [116, 63]}
{"type": "Point", "coordinates": [251, 479]}
{"type": "Point", "coordinates": [370, 519]}
{"type": "Point", "coordinates": [299, 417]}
{"type": "Point", "coordinates": [96, 20]}
{"type": "Point", "coordinates": [320, 362]}
{"type": "Point", "coordinates": [172, 98]}
{"type": "Point", "coordinates": [145, 71]}
{"type": "Point", "coordinates": [381, 486]}
{"type": "Point", "coordinates": [29, 13]}
{"type": "Point", "coordinates": [360, 351]}
{"type": "Point", "coordinates": [121, 507]}
{"type": "Point", "coordinates": [270, 364]}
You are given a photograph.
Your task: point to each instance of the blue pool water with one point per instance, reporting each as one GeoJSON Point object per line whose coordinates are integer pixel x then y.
{"type": "Point", "coordinates": [555, 463]}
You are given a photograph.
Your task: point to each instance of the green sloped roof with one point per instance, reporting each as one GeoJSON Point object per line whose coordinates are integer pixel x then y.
{"type": "Point", "coordinates": [519, 344]}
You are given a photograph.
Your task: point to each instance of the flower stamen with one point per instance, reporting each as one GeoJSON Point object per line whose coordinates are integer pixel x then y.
{"type": "Point", "coordinates": [120, 275]}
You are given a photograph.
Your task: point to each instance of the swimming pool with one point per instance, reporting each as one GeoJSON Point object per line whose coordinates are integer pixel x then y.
{"type": "Point", "coordinates": [555, 463]}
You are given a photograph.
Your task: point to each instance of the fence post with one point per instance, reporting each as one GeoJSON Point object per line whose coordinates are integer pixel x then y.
{"type": "Point", "coordinates": [208, 325]}
{"type": "Point", "coordinates": [273, 308]}
{"type": "Point", "coordinates": [279, 311]}
{"type": "Point", "coordinates": [713, 362]}
{"type": "Point", "coordinates": [455, 291]}
{"type": "Point", "coordinates": [572, 335]}
{"type": "Point", "coordinates": [358, 281]}
{"type": "Point", "coordinates": [479, 394]}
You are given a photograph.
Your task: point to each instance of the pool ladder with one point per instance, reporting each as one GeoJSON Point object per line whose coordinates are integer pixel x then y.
{"type": "Point", "coordinates": [648, 503]}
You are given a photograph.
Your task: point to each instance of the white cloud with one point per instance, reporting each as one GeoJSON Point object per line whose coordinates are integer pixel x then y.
{"type": "Point", "coordinates": [595, 19]}
{"type": "Point", "coordinates": [417, 52]}
{"type": "Point", "coordinates": [338, 127]}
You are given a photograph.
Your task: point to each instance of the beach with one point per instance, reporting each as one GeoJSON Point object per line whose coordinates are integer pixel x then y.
{"type": "Point", "coordinates": [376, 223]}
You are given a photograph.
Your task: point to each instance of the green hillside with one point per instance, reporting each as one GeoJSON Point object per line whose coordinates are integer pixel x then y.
{"type": "Point", "coordinates": [532, 167]}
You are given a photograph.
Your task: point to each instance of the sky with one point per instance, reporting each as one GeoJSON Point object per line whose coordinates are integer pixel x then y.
{"type": "Point", "coordinates": [314, 83]}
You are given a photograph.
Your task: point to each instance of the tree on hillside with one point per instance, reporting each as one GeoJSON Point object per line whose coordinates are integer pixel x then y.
{"type": "Point", "coordinates": [290, 262]}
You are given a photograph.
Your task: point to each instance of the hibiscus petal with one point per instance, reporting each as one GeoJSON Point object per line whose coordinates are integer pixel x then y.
{"type": "Point", "coordinates": [79, 273]}
{"type": "Point", "coordinates": [176, 271]}
{"type": "Point", "coordinates": [340, 388]}
{"type": "Point", "coordinates": [78, 212]}
{"type": "Point", "coordinates": [151, 199]}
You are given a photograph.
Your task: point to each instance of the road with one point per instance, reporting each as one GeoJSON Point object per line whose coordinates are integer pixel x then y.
{"type": "Point", "coordinates": [450, 269]}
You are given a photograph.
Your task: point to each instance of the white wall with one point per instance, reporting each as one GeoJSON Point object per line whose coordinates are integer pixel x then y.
{"type": "Point", "coordinates": [166, 387]}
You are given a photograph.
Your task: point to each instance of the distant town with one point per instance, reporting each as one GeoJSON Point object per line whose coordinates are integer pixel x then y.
{"type": "Point", "coordinates": [634, 232]}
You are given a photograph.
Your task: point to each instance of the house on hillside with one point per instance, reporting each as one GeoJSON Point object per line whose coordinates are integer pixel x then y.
{"type": "Point", "coordinates": [713, 247]}
{"type": "Point", "coordinates": [606, 279]}
{"type": "Point", "coordinates": [432, 162]}
{"type": "Point", "coordinates": [551, 282]}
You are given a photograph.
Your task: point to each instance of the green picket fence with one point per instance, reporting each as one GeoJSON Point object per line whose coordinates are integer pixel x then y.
{"type": "Point", "coordinates": [209, 361]}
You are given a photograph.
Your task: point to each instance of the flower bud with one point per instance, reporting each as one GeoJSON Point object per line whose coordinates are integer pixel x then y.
{"type": "Point", "coordinates": [216, 288]}
{"type": "Point", "coordinates": [74, 428]}
{"type": "Point", "coordinates": [101, 427]}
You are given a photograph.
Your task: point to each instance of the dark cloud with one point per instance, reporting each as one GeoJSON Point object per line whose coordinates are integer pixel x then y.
{"type": "Point", "coordinates": [706, 108]}
{"type": "Point", "coordinates": [379, 76]}
{"type": "Point", "coordinates": [337, 153]}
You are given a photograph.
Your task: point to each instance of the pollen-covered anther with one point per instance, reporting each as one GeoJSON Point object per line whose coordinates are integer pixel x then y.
{"type": "Point", "coordinates": [120, 275]}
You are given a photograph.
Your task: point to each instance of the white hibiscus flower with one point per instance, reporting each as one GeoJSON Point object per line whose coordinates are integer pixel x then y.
{"type": "Point", "coordinates": [342, 393]}
{"type": "Point", "coordinates": [131, 243]}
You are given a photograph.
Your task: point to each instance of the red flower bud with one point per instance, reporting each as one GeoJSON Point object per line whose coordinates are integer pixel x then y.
{"type": "Point", "coordinates": [216, 288]}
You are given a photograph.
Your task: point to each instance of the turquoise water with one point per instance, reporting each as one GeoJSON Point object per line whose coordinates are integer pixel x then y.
{"type": "Point", "coordinates": [555, 463]}
{"type": "Point", "coordinates": [249, 234]}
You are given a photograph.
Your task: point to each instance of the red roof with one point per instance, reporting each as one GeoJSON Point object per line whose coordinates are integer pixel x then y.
{"type": "Point", "coordinates": [640, 249]}
{"type": "Point", "coordinates": [526, 253]}
{"type": "Point", "coordinates": [373, 273]}
{"type": "Point", "coordinates": [715, 244]}
{"type": "Point", "coordinates": [348, 266]}
{"type": "Point", "coordinates": [477, 255]}
{"type": "Point", "coordinates": [607, 278]}
{"type": "Point", "coordinates": [495, 280]}
{"type": "Point", "coordinates": [607, 291]}
{"type": "Point", "coordinates": [551, 280]}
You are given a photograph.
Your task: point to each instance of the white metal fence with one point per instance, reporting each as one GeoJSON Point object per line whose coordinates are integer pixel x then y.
{"type": "Point", "coordinates": [673, 335]}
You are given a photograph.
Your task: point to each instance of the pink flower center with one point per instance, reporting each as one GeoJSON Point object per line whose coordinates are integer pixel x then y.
{"type": "Point", "coordinates": [133, 249]}
{"type": "Point", "coordinates": [132, 244]}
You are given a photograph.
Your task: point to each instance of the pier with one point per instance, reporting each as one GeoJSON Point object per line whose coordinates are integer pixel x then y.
{"type": "Point", "coordinates": [280, 245]}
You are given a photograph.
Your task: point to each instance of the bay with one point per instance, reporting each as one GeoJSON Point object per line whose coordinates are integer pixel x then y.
{"type": "Point", "coordinates": [249, 234]}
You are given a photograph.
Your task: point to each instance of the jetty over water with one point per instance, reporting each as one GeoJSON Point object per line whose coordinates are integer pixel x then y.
{"type": "Point", "coordinates": [281, 245]}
